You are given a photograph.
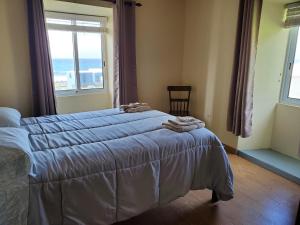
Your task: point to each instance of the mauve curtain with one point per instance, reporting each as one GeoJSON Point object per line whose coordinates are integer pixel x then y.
{"type": "Point", "coordinates": [42, 83]}
{"type": "Point", "coordinates": [125, 81]}
{"type": "Point", "coordinates": [240, 109]}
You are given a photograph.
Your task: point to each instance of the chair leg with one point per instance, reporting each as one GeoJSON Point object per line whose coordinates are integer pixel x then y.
{"type": "Point", "coordinates": [214, 197]}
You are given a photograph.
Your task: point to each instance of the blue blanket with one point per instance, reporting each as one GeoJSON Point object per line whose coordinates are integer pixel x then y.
{"type": "Point", "coordinates": [106, 166]}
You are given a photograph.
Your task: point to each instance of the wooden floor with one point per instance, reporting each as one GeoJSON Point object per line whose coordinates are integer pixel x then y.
{"type": "Point", "coordinates": [261, 198]}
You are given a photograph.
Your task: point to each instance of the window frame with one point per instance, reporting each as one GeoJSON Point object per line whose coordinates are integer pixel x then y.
{"type": "Point", "coordinates": [288, 68]}
{"type": "Point", "coordinates": [75, 29]}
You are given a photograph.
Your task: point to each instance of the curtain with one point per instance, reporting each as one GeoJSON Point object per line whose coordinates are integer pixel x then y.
{"type": "Point", "coordinates": [42, 83]}
{"type": "Point", "coordinates": [125, 81]}
{"type": "Point", "coordinates": [240, 109]}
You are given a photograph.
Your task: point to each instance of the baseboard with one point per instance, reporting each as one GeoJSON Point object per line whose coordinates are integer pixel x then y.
{"type": "Point", "coordinates": [230, 150]}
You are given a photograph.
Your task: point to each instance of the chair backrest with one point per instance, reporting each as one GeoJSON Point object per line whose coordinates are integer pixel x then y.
{"type": "Point", "coordinates": [179, 106]}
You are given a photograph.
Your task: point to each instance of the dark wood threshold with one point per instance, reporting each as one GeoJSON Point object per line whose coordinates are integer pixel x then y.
{"type": "Point", "coordinates": [230, 150]}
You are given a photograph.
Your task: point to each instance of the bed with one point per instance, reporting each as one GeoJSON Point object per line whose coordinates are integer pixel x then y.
{"type": "Point", "coordinates": [105, 166]}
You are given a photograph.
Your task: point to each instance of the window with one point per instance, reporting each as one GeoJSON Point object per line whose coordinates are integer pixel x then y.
{"type": "Point", "coordinates": [77, 45]}
{"type": "Point", "coordinates": [291, 83]}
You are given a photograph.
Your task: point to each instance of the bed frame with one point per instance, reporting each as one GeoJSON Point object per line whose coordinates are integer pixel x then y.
{"type": "Point", "coordinates": [214, 197]}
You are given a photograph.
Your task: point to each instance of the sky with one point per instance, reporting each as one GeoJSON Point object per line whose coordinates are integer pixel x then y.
{"type": "Point", "coordinates": [61, 45]}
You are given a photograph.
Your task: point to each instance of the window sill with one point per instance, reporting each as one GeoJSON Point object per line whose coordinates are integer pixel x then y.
{"type": "Point", "coordinates": [289, 105]}
{"type": "Point", "coordinates": [80, 93]}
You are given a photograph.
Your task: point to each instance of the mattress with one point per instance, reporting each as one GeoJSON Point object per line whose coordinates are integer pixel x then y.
{"type": "Point", "coordinates": [106, 166]}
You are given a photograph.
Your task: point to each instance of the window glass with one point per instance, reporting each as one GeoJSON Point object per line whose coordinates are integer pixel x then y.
{"type": "Point", "coordinates": [290, 91]}
{"type": "Point", "coordinates": [294, 90]}
{"type": "Point", "coordinates": [58, 21]}
{"type": "Point", "coordinates": [62, 53]}
{"type": "Point", "coordinates": [88, 23]}
{"type": "Point", "coordinates": [77, 52]}
{"type": "Point", "coordinates": [90, 60]}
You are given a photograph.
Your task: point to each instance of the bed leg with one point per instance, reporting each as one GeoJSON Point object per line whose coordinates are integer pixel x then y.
{"type": "Point", "coordinates": [214, 197]}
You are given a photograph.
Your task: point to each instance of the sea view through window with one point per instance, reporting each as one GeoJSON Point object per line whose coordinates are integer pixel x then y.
{"type": "Point", "coordinates": [76, 52]}
{"type": "Point", "coordinates": [91, 75]}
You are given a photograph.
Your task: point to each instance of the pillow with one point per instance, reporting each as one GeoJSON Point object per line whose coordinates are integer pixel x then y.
{"type": "Point", "coordinates": [15, 165]}
{"type": "Point", "coordinates": [9, 117]}
{"type": "Point", "coordinates": [15, 152]}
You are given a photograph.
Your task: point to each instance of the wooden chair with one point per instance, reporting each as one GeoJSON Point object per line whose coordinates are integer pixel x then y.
{"type": "Point", "coordinates": [179, 106]}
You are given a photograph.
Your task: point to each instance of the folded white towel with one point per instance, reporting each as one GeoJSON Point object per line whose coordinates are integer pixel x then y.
{"type": "Point", "coordinates": [186, 119]}
{"type": "Point", "coordinates": [179, 123]}
{"type": "Point", "coordinates": [135, 107]}
{"type": "Point", "coordinates": [178, 128]}
{"type": "Point", "coordinates": [138, 109]}
{"type": "Point", "coordinates": [184, 124]}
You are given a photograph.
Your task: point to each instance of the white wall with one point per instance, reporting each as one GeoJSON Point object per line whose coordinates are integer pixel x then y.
{"type": "Point", "coordinates": [160, 25]}
{"type": "Point", "coordinates": [275, 125]}
{"type": "Point", "coordinates": [178, 42]}
{"type": "Point", "coordinates": [270, 60]}
{"type": "Point", "coordinates": [15, 71]}
{"type": "Point", "coordinates": [210, 32]}
{"type": "Point", "coordinates": [159, 44]}
{"type": "Point", "coordinates": [95, 101]}
{"type": "Point", "coordinates": [83, 103]}
{"type": "Point", "coordinates": [286, 132]}
{"type": "Point", "coordinates": [159, 34]}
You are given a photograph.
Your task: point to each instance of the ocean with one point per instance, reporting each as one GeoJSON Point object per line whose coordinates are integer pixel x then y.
{"type": "Point", "coordinates": [91, 75]}
{"type": "Point", "coordinates": [63, 66]}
